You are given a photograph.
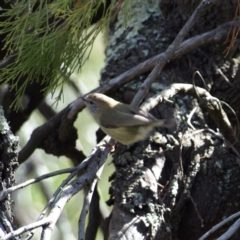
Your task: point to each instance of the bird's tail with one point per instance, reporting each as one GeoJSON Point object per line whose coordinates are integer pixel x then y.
{"type": "Point", "coordinates": [167, 123]}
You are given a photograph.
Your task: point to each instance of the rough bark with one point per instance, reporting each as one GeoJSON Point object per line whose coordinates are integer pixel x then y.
{"type": "Point", "coordinates": [154, 197]}
{"type": "Point", "coordinates": [8, 166]}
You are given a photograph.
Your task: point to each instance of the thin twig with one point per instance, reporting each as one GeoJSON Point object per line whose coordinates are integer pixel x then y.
{"type": "Point", "coordinates": [4, 193]}
{"type": "Point", "coordinates": [212, 104]}
{"type": "Point", "coordinates": [219, 225]}
{"type": "Point", "coordinates": [169, 53]}
{"type": "Point", "coordinates": [66, 194]}
{"type": "Point", "coordinates": [188, 45]}
{"type": "Point", "coordinates": [85, 208]}
{"type": "Point", "coordinates": [24, 229]}
{"type": "Point", "coordinates": [229, 233]}
{"type": "Point", "coordinates": [190, 117]}
{"type": "Point", "coordinates": [81, 166]}
{"type": "Point", "coordinates": [88, 197]}
{"type": "Point", "coordinates": [236, 117]}
{"type": "Point", "coordinates": [75, 107]}
{"type": "Point", "coordinates": [74, 187]}
{"type": "Point", "coordinates": [233, 32]}
{"type": "Point", "coordinates": [196, 210]}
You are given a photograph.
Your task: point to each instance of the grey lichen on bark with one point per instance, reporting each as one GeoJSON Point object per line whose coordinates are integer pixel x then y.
{"type": "Point", "coordinates": [151, 192]}
{"type": "Point", "coordinates": [8, 165]}
{"type": "Point", "coordinates": [128, 46]}
{"type": "Point", "coordinates": [137, 210]}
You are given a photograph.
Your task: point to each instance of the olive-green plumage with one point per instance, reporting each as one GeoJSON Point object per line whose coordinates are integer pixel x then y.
{"type": "Point", "coordinates": [122, 122]}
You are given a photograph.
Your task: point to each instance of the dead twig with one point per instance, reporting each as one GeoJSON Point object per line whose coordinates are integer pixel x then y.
{"type": "Point", "coordinates": [75, 107]}
{"type": "Point", "coordinates": [169, 53]}
{"type": "Point", "coordinates": [4, 193]}
{"type": "Point", "coordinates": [88, 198]}
{"type": "Point", "coordinates": [219, 225]}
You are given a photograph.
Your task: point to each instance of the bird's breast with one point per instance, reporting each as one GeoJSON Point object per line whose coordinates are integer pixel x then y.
{"type": "Point", "coordinates": [128, 135]}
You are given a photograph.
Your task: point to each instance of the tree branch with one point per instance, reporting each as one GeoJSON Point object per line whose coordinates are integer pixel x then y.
{"type": "Point", "coordinates": [75, 107]}
{"type": "Point", "coordinates": [188, 45]}
{"type": "Point", "coordinates": [4, 193]}
{"type": "Point", "coordinates": [212, 104]}
{"type": "Point", "coordinates": [88, 199]}
{"type": "Point", "coordinates": [169, 53]}
{"type": "Point", "coordinates": [219, 225]}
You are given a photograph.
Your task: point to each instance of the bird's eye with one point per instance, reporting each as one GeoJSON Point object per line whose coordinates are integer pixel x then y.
{"type": "Point", "coordinates": [91, 102]}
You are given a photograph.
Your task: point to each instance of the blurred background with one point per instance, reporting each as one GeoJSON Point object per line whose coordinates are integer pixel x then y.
{"type": "Point", "coordinates": [30, 201]}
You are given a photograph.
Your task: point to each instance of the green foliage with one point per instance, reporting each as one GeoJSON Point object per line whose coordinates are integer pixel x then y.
{"type": "Point", "coordinates": [49, 39]}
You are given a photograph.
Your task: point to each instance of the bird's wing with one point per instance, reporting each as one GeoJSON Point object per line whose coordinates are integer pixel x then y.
{"type": "Point", "coordinates": [125, 117]}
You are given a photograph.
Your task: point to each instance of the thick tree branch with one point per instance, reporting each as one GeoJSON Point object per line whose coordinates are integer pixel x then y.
{"type": "Point", "coordinates": [212, 104]}
{"type": "Point", "coordinates": [215, 35]}
{"type": "Point", "coordinates": [169, 53]}
{"type": "Point", "coordinates": [75, 107]}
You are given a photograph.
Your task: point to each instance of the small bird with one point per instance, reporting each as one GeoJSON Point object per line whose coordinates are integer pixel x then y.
{"type": "Point", "coordinates": [124, 123]}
